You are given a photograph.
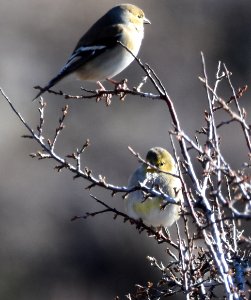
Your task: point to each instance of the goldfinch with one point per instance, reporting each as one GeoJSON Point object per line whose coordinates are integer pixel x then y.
{"type": "Point", "coordinates": [152, 210]}
{"type": "Point", "coordinates": [98, 54]}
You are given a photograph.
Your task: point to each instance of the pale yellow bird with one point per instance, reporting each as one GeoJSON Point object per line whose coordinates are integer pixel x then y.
{"type": "Point", "coordinates": [99, 54]}
{"type": "Point", "coordinates": [150, 210]}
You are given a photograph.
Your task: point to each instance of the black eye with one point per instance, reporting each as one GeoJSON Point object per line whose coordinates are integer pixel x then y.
{"type": "Point", "coordinates": [140, 16]}
{"type": "Point", "coordinates": [162, 164]}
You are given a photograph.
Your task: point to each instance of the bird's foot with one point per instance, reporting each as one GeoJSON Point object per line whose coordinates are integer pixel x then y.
{"type": "Point", "coordinates": [119, 87]}
{"type": "Point", "coordinates": [102, 94]}
{"type": "Point", "coordinates": [122, 84]}
{"type": "Point", "coordinates": [163, 232]}
{"type": "Point", "coordinates": [101, 87]}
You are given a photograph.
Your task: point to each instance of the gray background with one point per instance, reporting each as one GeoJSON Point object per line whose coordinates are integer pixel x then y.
{"type": "Point", "coordinates": [42, 254]}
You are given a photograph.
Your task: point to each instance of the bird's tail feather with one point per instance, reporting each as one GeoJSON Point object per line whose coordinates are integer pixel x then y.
{"type": "Point", "coordinates": [50, 84]}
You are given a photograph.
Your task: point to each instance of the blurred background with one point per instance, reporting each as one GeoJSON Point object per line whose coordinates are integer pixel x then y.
{"type": "Point", "coordinates": [42, 254]}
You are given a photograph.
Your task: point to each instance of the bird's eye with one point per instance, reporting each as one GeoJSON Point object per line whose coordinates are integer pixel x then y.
{"type": "Point", "coordinates": [140, 16]}
{"type": "Point", "coordinates": [162, 164]}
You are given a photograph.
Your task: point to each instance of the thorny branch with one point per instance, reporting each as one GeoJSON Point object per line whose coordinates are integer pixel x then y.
{"type": "Point", "coordinates": [140, 226]}
{"type": "Point", "coordinates": [211, 257]}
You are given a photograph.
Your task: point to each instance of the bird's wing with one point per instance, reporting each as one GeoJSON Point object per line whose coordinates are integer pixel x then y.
{"type": "Point", "coordinates": [87, 49]}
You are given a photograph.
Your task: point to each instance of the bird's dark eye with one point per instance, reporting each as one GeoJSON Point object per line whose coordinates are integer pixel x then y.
{"type": "Point", "coordinates": [162, 164]}
{"type": "Point", "coordinates": [140, 16]}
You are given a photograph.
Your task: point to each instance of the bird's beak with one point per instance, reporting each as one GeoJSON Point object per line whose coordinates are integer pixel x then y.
{"type": "Point", "coordinates": [149, 169]}
{"type": "Point", "coordinates": [146, 21]}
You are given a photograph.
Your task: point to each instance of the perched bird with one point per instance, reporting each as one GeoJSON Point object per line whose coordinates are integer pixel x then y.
{"type": "Point", "coordinates": [99, 54]}
{"type": "Point", "coordinates": [152, 210]}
